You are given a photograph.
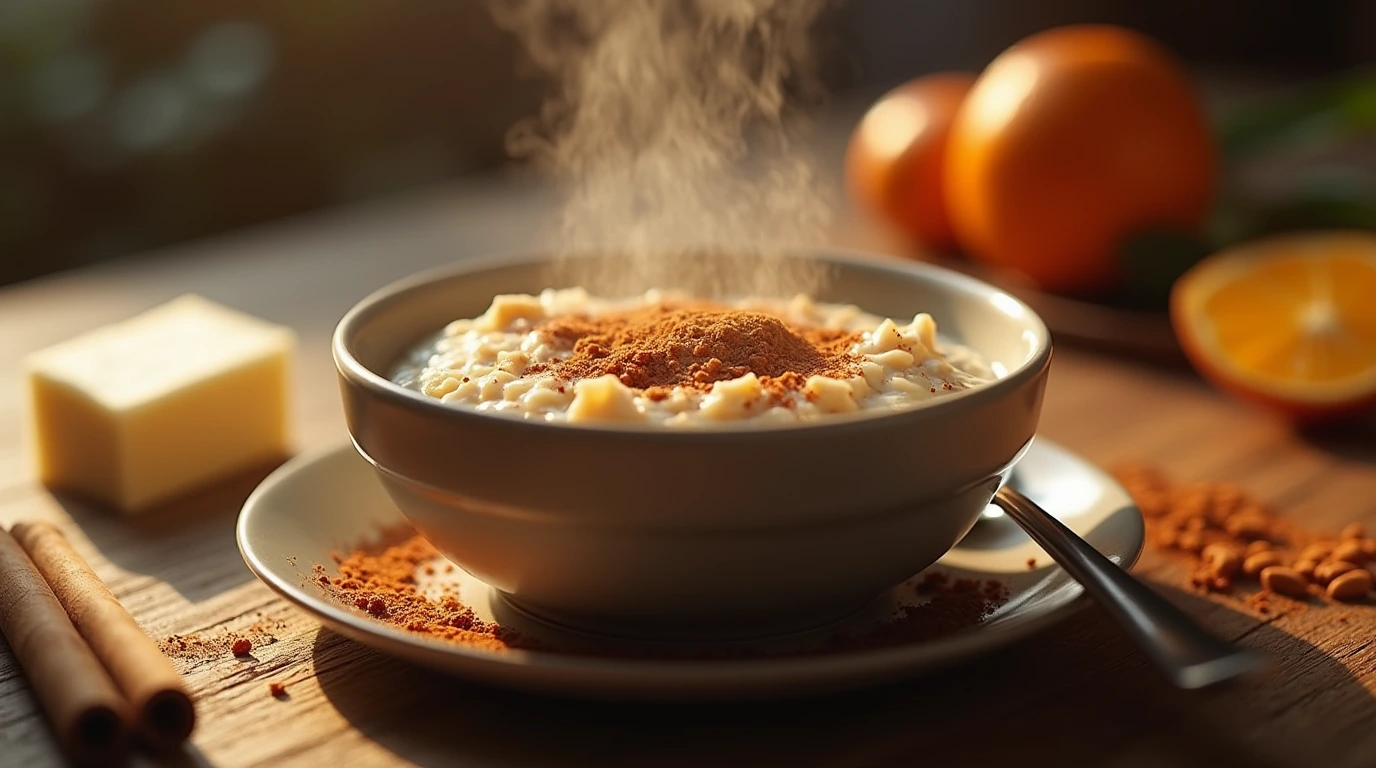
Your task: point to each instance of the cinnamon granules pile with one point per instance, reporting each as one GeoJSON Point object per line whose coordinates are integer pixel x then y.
{"type": "Point", "coordinates": [661, 347]}
{"type": "Point", "coordinates": [381, 580]}
{"type": "Point", "coordinates": [1232, 537]}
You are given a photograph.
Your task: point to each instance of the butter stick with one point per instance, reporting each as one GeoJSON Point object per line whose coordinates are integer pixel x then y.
{"type": "Point", "coordinates": [148, 409]}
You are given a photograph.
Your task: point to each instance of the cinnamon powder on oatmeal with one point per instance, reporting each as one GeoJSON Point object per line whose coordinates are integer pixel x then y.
{"type": "Point", "coordinates": [661, 347]}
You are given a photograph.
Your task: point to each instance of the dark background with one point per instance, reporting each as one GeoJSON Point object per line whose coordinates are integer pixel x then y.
{"type": "Point", "coordinates": [130, 124]}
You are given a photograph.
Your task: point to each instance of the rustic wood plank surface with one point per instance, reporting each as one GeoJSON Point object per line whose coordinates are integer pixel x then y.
{"type": "Point", "coordinates": [1076, 694]}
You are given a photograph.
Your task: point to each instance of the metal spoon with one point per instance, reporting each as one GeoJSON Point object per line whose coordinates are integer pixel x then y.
{"type": "Point", "coordinates": [1190, 657]}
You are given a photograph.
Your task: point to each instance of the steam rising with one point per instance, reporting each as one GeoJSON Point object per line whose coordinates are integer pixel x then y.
{"type": "Point", "coordinates": [671, 128]}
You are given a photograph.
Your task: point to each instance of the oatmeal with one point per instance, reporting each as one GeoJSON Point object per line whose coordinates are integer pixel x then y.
{"type": "Point", "coordinates": [666, 358]}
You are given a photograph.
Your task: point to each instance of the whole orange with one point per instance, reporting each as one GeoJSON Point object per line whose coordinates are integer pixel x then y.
{"type": "Point", "coordinates": [1071, 141]}
{"type": "Point", "coordinates": [896, 158]}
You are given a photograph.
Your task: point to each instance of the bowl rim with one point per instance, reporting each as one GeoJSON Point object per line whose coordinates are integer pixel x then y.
{"type": "Point", "coordinates": [357, 374]}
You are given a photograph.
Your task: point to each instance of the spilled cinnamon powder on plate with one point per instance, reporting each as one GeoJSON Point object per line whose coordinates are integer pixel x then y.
{"type": "Point", "coordinates": [665, 346]}
{"type": "Point", "coordinates": [380, 580]}
{"type": "Point", "coordinates": [952, 605]}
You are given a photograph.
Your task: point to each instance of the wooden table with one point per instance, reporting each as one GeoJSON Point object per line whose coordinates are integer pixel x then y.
{"type": "Point", "coordinates": [1076, 695]}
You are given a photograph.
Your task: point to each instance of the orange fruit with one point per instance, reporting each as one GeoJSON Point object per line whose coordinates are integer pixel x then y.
{"type": "Point", "coordinates": [1070, 142]}
{"type": "Point", "coordinates": [1288, 322]}
{"type": "Point", "coordinates": [896, 157]}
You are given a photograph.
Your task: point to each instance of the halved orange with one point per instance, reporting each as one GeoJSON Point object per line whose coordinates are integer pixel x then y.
{"type": "Point", "coordinates": [1288, 322]}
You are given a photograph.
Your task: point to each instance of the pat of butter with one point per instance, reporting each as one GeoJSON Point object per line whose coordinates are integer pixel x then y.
{"type": "Point", "coordinates": [145, 410]}
{"type": "Point", "coordinates": [604, 398]}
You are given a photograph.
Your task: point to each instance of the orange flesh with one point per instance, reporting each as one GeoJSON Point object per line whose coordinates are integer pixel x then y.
{"type": "Point", "coordinates": [1306, 320]}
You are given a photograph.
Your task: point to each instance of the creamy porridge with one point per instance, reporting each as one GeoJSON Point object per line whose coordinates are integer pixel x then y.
{"type": "Point", "coordinates": [665, 358]}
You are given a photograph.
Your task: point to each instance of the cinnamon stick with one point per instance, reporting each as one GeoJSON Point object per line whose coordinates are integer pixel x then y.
{"type": "Point", "coordinates": [161, 710]}
{"type": "Point", "coordinates": [85, 709]}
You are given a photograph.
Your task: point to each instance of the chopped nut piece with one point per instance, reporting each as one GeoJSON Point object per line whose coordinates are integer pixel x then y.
{"type": "Point", "coordinates": [1351, 551]}
{"type": "Point", "coordinates": [1223, 561]}
{"type": "Point", "coordinates": [1255, 564]}
{"type": "Point", "coordinates": [1353, 585]}
{"type": "Point", "coordinates": [1284, 581]}
{"type": "Point", "coordinates": [1306, 568]}
{"type": "Point", "coordinates": [1316, 552]}
{"type": "Point", "coordinates": [1247, 525]}
{"type": "Point", "coordinates": [1352, 531]}
{"type": "Point", "coordinates": [1331, 570]}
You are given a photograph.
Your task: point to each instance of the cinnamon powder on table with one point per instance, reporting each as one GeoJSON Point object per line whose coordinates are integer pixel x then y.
{"type": "Point", "coordinates": [203, 646]}
{"type": "Point", "coordinates": [665, 346]}
{"type": "Point", "coordinates": [381, 581]}
{"type": "Point", "coordinates": [1233, 540]}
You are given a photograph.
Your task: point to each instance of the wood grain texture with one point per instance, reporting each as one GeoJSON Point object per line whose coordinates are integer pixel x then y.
{"type": "Point", "coordinates": [1077, 694]}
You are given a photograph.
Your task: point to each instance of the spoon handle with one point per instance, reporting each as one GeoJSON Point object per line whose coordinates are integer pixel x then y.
{"type": "Point", "coordinates": [1190, 657]}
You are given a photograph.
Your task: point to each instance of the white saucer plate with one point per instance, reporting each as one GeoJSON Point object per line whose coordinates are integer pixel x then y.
{"type": "Point", "coordinates": [326, 502]}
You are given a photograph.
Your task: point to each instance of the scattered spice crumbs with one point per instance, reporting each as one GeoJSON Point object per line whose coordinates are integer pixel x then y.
{"type": "Point", "coordinates": [204, 646]}
{"type": "Point", "coordinates": [242, 646]}
{"type": "Point", "coordinates": [1031, 563]}
{"type": "Point", "coordinates": [277, 690]}
{"type": "Point", "coordinates": [1232, 538]}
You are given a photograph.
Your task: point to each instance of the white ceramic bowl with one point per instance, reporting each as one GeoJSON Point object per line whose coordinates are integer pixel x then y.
{"type": "Point", "coordinates": [735, 530]}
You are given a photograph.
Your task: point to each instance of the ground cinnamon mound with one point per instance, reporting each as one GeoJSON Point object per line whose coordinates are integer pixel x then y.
{"type": "Point", "coordinates": [656, 348]}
